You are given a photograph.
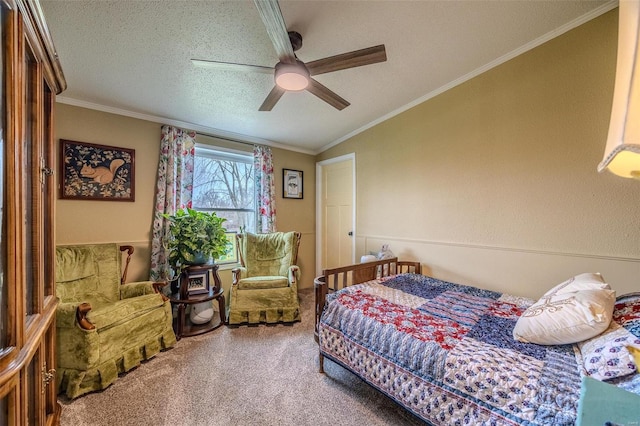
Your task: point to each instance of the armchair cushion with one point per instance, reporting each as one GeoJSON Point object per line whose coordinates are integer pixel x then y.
{"type": "Point", "coordinates": [88, 273]}
{"type": "Point", "coordinates": [123, 311]}
{"type": "Point", "coordinates": [255, 283]}
{"type": "Point", "coordinates": [85, 289]}
{"type": "Point", "coordinates": [269, 254]}
{"type": "Point", "coordinates": [72, 265]}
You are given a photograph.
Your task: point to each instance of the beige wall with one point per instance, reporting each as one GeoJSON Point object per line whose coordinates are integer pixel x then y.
{"type": "Point", "coordinates": [494, 182]}
{"type": "Point", "coordinates": [79, 222]}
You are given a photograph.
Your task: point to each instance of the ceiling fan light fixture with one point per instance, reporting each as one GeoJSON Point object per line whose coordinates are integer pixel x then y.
{"type": "Point", "coordinates": [292, 76]}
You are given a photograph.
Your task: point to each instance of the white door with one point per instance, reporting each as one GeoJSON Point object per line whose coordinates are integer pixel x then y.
{"type": "Point", "coordinates": [336, 212]}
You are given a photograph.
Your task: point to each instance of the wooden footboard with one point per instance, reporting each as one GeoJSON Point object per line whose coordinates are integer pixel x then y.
{"type": "Point", "coordinates": [338, 278]}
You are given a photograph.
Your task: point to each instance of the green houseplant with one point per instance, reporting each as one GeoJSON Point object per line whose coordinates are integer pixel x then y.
{"type": "Point", "coordinates": [195, 237]}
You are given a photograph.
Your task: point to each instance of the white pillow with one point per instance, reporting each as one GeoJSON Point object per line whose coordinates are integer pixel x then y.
{"type": "Point", "coordinates": [562, 316]}
{"type": "Point", "coordinates": [586, 281]}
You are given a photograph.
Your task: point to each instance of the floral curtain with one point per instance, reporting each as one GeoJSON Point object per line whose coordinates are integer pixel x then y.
{"type": "Point", "coordinates": [174, 188]}
{"type": "Point", "coordinates": [265, 189]}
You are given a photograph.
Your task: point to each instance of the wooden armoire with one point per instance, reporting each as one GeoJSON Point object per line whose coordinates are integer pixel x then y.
{"type": "Point", "coordinates": [31, 77]}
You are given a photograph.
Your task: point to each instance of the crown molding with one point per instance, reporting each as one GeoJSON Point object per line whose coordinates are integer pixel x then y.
{"type": "Point", "coordinates": [205, 130]}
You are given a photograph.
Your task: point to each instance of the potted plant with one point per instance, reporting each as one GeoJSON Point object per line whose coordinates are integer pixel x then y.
{"type": "Point", "coordinates": [195, 237]}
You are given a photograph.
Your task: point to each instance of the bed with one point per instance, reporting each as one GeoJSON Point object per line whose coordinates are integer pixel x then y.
{"type": "Point", "coordinates": [446, 352]}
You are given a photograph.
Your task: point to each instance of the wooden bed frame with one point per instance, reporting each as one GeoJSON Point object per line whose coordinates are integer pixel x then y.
{"type": "Point", "coordinates": [335, 279]}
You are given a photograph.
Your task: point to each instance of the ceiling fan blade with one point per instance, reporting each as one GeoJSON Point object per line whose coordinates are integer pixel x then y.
{"type": "Point", "coordinates": [271, 16]}
{"type": "Point", "coordinates": [230, 66]}
{"type": "Point", "coordinates": [327, 95]}
{"type": "Point", "coordinates": [357, 58]}
{"type": "Point", "coordinates": [272, 98]}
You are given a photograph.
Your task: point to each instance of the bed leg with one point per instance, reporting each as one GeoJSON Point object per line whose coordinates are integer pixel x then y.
{"type": "Point", "coordinates": [321, 363]}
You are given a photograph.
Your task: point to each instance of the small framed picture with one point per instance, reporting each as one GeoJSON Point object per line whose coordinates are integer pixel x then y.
{"type": "Point", "coordinates": [292, 183]}
{"type": "Point", "coordinates": [198, 283]}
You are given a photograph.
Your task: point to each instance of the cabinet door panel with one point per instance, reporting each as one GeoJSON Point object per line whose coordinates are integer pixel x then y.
{"type": "Point", "coordinates": [3, 125]}
{"type": "Point", "coordinates": [48, 189]}
{"type": "Point", "coordinates": [4, 410]}
{"type": "Point", "coordinates": [33, 395]}
{"type": "Point", "coordinates": [7, 403]}
{"type": "Point", "coordinates": [31, 182]}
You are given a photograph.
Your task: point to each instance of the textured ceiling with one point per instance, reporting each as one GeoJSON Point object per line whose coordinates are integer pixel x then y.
{"type": "Point", "coordinates": [133, 57]}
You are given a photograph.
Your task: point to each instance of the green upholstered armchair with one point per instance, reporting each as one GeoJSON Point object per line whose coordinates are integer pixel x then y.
{"type": "Point", "coordinates": [104, 327]}
{"type": "Point", "coordinates": [265, 287]}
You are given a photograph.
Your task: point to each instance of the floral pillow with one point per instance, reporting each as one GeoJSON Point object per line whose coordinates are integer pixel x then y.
{"type": "Point", "coordinates": [626, 312]}
{"type": "Point", "coordinates": [608, 355]}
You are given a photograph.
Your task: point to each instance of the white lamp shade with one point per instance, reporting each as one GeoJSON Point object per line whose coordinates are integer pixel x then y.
{"type": "Point", "coordinates": [622, 152]}
{"type": "Point", "coordinates": [292, 76]}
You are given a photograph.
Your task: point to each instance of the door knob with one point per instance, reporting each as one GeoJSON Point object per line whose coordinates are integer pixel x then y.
{"type": "Point", "coordinates": [350, 233]}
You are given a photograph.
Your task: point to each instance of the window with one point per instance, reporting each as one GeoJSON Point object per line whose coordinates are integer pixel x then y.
{"type": "Point", "coordinates": [223, 183]}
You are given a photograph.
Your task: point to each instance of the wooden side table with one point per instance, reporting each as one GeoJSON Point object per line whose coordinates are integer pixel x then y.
{"type": "Point", "coordinates": [198, 284]}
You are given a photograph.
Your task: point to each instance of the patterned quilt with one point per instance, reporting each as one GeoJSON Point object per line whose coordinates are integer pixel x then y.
{"type": "Point", "coordinates": [446, 353]}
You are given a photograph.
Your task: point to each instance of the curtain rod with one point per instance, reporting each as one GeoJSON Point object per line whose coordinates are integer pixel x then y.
{"type": "Point", "coordinates": [229, 140]}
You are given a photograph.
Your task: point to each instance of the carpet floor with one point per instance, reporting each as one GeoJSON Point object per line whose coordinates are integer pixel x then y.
{"type": "Point", "coordinates": [264, 375]}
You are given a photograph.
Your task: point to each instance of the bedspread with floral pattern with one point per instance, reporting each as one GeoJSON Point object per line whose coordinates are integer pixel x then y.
{"type": "Point", "coordinates": [446, 353]}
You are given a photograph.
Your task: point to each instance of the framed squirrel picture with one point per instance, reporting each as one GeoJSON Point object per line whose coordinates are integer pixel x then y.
{"type": "Point", "coordinates": [96, 172]}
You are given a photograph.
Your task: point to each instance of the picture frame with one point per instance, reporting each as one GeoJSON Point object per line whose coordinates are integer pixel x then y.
{"type": "Point", "coordinates": [198, 283]}
{"type": "Point", "coordinates": [96, 172]}
{"type": "Point", "coordinates": [292, 184]}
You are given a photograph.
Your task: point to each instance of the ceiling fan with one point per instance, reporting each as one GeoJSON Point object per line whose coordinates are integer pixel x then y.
{"type": "Point", "coordinates": [292, 74]}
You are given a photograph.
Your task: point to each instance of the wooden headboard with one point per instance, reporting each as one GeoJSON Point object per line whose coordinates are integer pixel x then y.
{"type": "Point", "coordinates": [337, 278]}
